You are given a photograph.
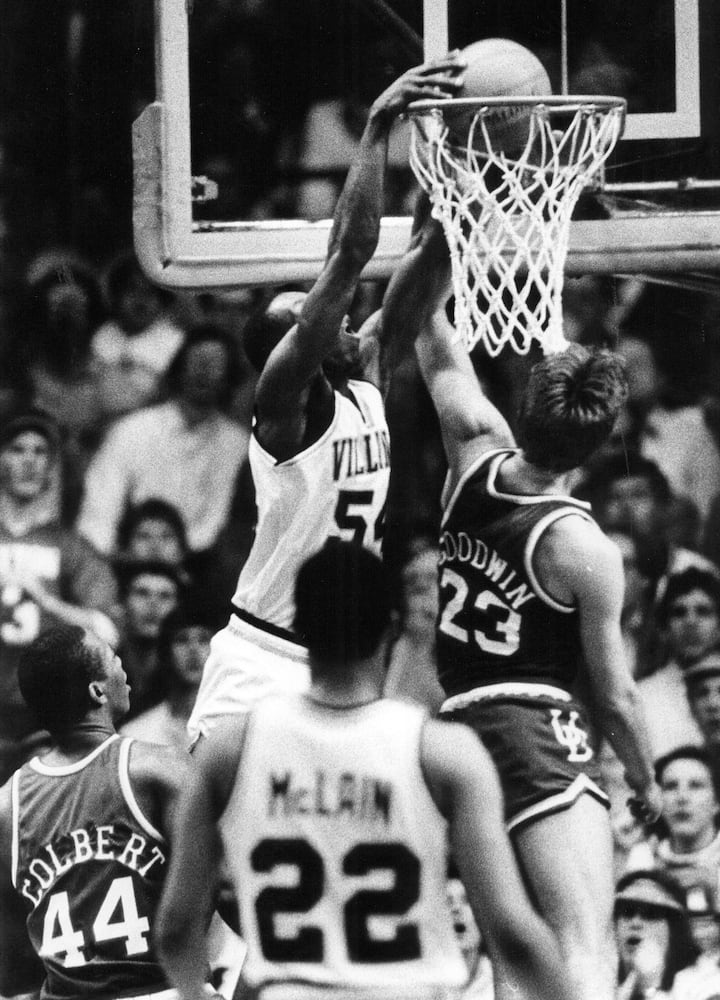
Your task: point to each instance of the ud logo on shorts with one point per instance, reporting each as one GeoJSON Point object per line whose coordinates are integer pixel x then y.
{"type": "Point", "coordinates": [570, 735]}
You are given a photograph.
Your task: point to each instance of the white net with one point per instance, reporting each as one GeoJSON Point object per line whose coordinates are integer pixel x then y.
{"type": "Point", "coordinates": [507, 220]}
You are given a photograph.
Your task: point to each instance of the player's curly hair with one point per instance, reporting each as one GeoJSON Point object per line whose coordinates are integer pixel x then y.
{"type": "Point", "coordinates": [54, 673]}
{"type": "Point", "coordinates": [570, 406]}
{"type": "Point", "coordinates": [342, 604]}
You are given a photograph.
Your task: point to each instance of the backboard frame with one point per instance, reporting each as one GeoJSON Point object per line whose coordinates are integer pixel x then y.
{"type": "Point", "coordinates": [177, 251]}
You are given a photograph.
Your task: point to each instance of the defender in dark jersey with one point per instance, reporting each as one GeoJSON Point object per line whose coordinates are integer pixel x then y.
{"type": "Point", "coordinates": [83, 845]}
{"type": "Point", "coordinates": [530, 599]}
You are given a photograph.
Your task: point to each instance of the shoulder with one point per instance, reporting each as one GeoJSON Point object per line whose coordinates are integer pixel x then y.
{"type": "Point", "coordinates": [155, 767]}
{"type": "Point", "coordinates": [574, 539]}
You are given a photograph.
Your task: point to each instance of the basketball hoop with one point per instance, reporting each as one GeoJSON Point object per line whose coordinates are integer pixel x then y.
{"type": "Point", "coordinates": [506, 214]}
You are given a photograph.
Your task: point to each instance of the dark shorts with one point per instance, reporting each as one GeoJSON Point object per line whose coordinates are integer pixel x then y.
{"type": "Point", "coordinates": [541, 750]}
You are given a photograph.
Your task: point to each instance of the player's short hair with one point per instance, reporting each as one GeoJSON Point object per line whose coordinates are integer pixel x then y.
{"type": "Point", "coordinates": [570, 406]}
{"type": "Point", "coordinates": [54, 673]}
{"type": "Point", "coordinates": [688, 752]}
{"type": "Point", "coordinates": [680, 584]}
{"type": "Point", "coordinates": [342, 604]}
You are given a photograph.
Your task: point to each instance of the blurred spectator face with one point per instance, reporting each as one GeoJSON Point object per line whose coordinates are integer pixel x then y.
{"type": "Point", "coordinates": [138, 304]}
{"type": "Point", "coordinates": [689, 804]}
{"type": "Point", "coordinates": [640, 927]}
{"type": "Point", "coordinates": [25, 465]}
{"type": "Point", "coordinates": [205, 373]}
{"type": "Point", "coordinates": [150, 599]}
{"type": "Point", "coordinates": [189, 649]}
{"type": "Point", "coordinates": [692, 626]}
{"type": "Point", "coordinates": [68, 306]}
{"type": "Point", "coordinates": [631, 500]}
{"type": "Point", "coordinates": [155, 538]}
{"type": "Point", "coordinates": [419, 578]}
{"type": "Point", "coordinates": [704, 697]}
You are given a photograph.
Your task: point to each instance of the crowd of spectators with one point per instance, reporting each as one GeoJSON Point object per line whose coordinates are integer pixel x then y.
{"type": "Point", "coordinates": [125, 411]}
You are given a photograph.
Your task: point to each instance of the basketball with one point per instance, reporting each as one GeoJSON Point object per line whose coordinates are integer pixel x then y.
{"type": "Point", "coordinates": [499, 67]}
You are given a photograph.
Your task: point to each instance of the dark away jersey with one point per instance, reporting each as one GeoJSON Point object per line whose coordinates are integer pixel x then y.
{"type": "Point", "coordinates": [496, 622]}
{"type": "Point", "coordinates": [90, 867]}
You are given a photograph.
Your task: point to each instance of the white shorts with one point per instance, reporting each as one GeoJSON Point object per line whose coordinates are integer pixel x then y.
{"type": "Point", "coordinates": [244, 665]}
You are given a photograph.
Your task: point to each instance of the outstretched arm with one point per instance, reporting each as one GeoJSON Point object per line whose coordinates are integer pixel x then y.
{"type": "Point", "coordinates": [415, 310]}
{"type": "Point", "coordinates": [524, 953]}
{"type": "Point", "coordinates": [283, 385]}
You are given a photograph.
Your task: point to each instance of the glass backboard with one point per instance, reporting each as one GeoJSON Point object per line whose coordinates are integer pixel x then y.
{"type": "Point", "coordinates": [239, 160]}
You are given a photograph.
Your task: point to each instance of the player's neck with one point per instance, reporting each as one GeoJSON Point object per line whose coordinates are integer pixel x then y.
{"type": "Point", "coordinates": [361, 688]}
{"type": "Point", "coordinates": [79, 741]}
{"type": "Point", "coordinates": [521, 475]}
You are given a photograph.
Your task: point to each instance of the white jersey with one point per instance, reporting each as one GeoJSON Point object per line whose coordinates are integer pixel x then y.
{"type": "Point", "coordinates": [338, 854]}
{"type": "Point", "coordinates": [334, 488]}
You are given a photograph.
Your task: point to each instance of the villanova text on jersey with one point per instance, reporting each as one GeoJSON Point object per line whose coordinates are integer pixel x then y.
{"type": "Point", "coordinates": [356, 456]}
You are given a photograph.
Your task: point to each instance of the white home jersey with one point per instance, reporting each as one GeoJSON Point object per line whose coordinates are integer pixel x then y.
{"type": "Point", "coordinates": [335, 488]}
{"type": "Point", "coordinates": [338, 854]}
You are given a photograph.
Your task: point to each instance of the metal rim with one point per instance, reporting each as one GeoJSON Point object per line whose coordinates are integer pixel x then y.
{"type": "Point", "coordinates": [565, 102]}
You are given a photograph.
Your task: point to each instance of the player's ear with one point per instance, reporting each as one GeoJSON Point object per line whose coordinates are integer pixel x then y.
{"type": "Point", "coordinates": [97, 692]}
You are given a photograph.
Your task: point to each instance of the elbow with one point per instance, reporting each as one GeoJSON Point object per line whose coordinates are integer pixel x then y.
{"type": "Point", "coordinates": [172, 933]}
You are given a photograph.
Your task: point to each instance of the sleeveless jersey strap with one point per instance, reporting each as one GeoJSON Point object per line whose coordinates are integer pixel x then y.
{"type": "Point", "coordinates": [128, 793]}
{"type": "Point", "coordinates": [533, 538]}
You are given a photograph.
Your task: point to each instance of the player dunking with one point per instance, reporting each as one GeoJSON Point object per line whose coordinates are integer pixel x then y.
{"type": "Point", "coordinates": [319, 451]}
{"type": "Point", "coordinates": [530, 589]}
{"type": "Point", "coordinates": [83, 848]}
{"type": "Point", "coordinates": [331, 809]}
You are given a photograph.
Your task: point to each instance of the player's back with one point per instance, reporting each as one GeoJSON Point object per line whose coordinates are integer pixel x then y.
{"type": "Point", "coordinates": [339, 854]}
{"type": "Point", "coordinates": [90, 866]}
{"type": "Point", "coordinates": [498, 623]}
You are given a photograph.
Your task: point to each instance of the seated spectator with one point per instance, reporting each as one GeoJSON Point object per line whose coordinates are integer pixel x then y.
{"type": "Point", "coordinates": [656, 951]}
{"type": "Point", "coordinates": [676, 438]}
{"type": "Point", "coordinates": [689, 616]}
{"type": "Point", "coordinates": [643, 564]}
{"type": "Point", "coordinates": [185, 451]}
{"type": "Point", "coordinates": [47, 572]}
{"type": "Point", "coordinates": [182, 648]}
{"type": "Point", "coordinates": [702, 680]}
{"type": "Point", "coordinates": [149, 592]}
{"type": "Point", "coordinates": [628, 489]}
{"type": "Point", "coordinates": [135, 346]}
{"type": "Point", "coordinates": [59, 313]}
{"type": "Point", "coordinates": [153, 529]}
{"type": "Point", "coordinates": [412, 671]}
{"type": "Point", "coordinates": [688, 847]}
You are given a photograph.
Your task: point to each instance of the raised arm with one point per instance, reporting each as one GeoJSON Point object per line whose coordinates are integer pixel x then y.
{"type": "Point", "coordinates": [523, 950]}
{"type": "Point", "coordinates": [283, 385]}
{"type": "Point", "coordinates": [415, 311]}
